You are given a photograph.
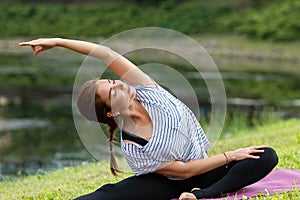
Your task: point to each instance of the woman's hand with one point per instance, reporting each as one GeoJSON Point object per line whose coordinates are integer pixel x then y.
{"type": "Point", "coordinates": [243, 153]}
{"type": "Point", "coordinates": [44, 45]}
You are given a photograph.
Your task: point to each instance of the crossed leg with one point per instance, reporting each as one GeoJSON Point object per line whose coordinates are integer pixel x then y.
{"type": "Point", "coordinates": [239, 174]}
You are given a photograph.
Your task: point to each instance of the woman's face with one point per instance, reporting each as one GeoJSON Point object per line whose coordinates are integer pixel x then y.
{"type": "Point", "coordinates": [116, 94]}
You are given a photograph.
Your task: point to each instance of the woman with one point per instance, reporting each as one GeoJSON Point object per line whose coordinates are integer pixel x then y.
{"type": "Point", "coordinates": [161, 139]}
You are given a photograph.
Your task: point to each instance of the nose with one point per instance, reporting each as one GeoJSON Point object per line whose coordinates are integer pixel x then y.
{"type": "Point", "coordinates": [119, 85]}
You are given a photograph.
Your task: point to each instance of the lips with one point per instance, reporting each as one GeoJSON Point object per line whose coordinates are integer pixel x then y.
{"type": "Point", "coordinates": [128, 90]}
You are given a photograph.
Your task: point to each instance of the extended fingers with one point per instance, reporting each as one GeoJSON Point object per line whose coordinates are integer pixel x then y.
{"type": "Point", "coordinates": [256, 147]}
{"type": "Point", "coordinates": [261, 146]}
{"type": "Point", "coordinates": [34, 44]}
{"type": "Point", "coordinates": [253, 156]}
{"type": "Point", "coordinates": [30, 43]}
{"type": "Point", "coordinates": [254, 150]}
{"type": "Point", "coordinates": [259, 149]}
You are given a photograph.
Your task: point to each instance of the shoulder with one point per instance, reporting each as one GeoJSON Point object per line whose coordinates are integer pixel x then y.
{"type": "Point", "coordinates": [150, 94]}
{"type": "Point", "coordinates": [139, 78]}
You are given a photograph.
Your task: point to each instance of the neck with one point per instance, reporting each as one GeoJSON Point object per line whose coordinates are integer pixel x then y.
{"type": "Point", "coordinates": [138, 121]}
{"type": "Point", "coordinates": [136, 115]}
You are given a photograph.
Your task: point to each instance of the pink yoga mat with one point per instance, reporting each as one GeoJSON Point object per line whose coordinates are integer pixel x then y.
{"type": "Point", "coordinates": [275, 182]}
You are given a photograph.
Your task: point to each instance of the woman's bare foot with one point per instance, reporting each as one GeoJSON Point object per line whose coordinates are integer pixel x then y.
{"type": "Point", "coordinates": [195, 189]}
{"type": "Point", "coordinates": [187, 196]}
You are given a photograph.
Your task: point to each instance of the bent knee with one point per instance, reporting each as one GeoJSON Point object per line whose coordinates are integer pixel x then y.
{"type": "Point", "coordinates": [271, 156]}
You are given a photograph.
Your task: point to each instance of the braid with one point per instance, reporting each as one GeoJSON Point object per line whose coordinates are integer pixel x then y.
{"type": "Point", "coordinates": [113, 163]}
{"type": "Point", "coordinates": [91, 106]}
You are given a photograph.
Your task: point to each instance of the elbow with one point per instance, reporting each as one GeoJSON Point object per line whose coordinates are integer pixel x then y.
{"type": "Point", "coordinates": [186, 171]}
{"type": "Point", "coordinates": [106, 49]}
{"type": "Point", "coordinates": [177, 169]}
{"type": "Point", "coordinates": [103, 53]}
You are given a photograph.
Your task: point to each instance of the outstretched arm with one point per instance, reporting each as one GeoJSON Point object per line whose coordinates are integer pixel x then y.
{"type": "Point", "coordinates": [197, 167]}
{"type": "Point", "coordinates": [116, 62]}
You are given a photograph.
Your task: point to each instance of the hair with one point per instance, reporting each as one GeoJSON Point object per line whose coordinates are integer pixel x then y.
{"type": "Point", "coordinates": [91, 106]}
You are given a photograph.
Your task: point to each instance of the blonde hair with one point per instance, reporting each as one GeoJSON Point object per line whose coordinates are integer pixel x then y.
{"type": "Point", "coordinates": [91, 106]}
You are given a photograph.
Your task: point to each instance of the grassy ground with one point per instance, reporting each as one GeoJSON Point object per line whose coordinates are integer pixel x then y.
{"type": "Point", "coordinates": [71, 182]}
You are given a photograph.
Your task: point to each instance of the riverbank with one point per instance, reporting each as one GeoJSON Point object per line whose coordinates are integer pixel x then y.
{"type": "Point", "coordinates": [71, 182]}
{"type": "Point", "coordinates": [225, 45]}
{"type": "Point", "coordinates": [230, 52]}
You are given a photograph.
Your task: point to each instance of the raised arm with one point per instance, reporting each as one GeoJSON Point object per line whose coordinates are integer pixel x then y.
{"type": "Point", "coordinates": [116, 62]}
{"type": "Point", "coordinates": [197, 167]}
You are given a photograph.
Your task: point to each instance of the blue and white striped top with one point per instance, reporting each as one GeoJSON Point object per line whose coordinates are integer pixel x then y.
{"type": "Point", "coordinates": [177, 134]}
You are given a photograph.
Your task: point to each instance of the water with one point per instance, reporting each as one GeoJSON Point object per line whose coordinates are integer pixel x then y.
{"type": "Point", "coordinates": [17, 124]}
{"type": "Point", "coordinates": [37, 132]}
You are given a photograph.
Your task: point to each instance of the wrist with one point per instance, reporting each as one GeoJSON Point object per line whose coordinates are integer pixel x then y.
{"type": "Point", "coordinates": [58, 41]}
{"type": "Point", "coordinates": [230, 156]}
{"type": "Point", "coordinates": [227, 160]}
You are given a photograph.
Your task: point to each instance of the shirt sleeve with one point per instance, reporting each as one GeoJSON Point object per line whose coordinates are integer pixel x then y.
{"type": "Point", "coordinates": [142, 164]}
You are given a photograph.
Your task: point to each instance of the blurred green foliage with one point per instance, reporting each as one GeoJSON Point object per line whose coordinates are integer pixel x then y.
{"type": "Point", "coordinates": [274, 20]}
{"type": "Point", "coordinates": [278, 20]}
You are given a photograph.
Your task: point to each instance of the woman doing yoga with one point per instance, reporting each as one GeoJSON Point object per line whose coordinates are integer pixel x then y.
{"type": "Point", "coordinates": [161, 138]}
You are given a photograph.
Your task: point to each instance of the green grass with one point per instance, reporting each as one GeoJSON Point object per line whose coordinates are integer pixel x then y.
{"type": "Point", "coordinates": [71, 182]}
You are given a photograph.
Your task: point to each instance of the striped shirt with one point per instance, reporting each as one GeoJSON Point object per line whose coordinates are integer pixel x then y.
{"type": "Point", "coordinates": [177, 134]}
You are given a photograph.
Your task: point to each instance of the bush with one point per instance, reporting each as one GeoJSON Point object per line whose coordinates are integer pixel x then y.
{"type": "Point", "coordinates": [275, 21]}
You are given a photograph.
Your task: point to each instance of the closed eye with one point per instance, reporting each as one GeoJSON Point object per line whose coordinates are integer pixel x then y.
{"type": "Point", "coordinates": [111, 89]}
{"type": "Point", "coordinates": [113, 92]}
{"type": "Point", "coordinates": [109, 93]}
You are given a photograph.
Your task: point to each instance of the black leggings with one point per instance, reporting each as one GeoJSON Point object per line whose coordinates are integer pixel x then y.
{"type": "Point", "coordinates": [213, 183]}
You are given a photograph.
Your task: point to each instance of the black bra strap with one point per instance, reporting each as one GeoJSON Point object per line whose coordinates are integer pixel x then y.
{"type": "Point", "coordinates": [131, 137]}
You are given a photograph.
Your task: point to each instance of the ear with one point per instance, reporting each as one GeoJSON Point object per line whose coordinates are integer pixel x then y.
{"type": "Point", "coordinates": [112, 114]}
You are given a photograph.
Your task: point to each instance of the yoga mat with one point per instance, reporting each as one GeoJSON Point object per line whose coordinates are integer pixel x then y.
{"type": "Point", "coordinates": [275, 182]}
